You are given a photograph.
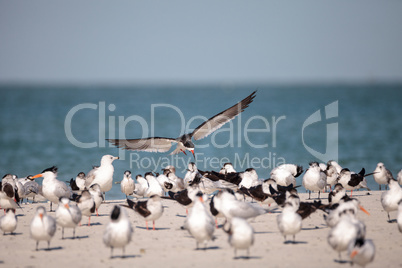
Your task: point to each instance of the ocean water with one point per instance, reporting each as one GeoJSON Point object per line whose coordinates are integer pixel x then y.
{"type": "Point", "coordinates": [66, 126]}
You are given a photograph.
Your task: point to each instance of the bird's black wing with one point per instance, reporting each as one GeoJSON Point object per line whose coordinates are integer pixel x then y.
{"type": "Point", "coordinates": [141, 208]}
{"type": "Point", "coordinates": [222, 118]}
{"type": "Point", "coordinates": [152, 144]}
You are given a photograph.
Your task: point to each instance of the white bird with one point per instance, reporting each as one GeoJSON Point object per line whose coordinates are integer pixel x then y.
{"type": "Point", "coordinates": [334, 164]}
{"type": "Point", "coordinates": [361, 251]}
{"type": "Point", "coordinates": [262, 192]}
{"type": "Point", "coordinates": [158, 144]}
{"type": "Point", "coordinates": [170, 172]}
{"type": "Point", "coordinates": [102, 175]}
{"type": "Point", "coordinates": [241, 234]}
{"type": "Point", "coordinates": [141, 187]}
{"type": "Point", "coordinates": [118, 232]}
{"type": "Point", "coordinates": [345, 231]}
{"type": "Point", "coordinates": [127, 185]}
{"type": "Point", "coordinates": [52, 188]}
{"type": "Point", "coordinates": [227, 204]}
{"type": "Point", "coordinates": [391, 198]}
{"type": "Point", "coordinates": [8, 222]}
{"type": "Point", "coordinates": [80, 181]}
{"type": "Point", "coordinates": [286, 174]}
{"type": "Point", "coordinates": [151, 209]}
{"type": "Point", "coordinates": [351, 180]}
{"type": "Point", "coordinates": [86, 204]}
{"type": "Point", "coordinates": [314, 179]}
{"type": "Point", "coordinates": [289, 222]}
{"type": "Point", "coordinates": [68, 215]}
{"type": "Point", "coordinates": [382, 175]}
{"type": "Point", "coordinates": [97, 196]}
{"type": "Point", "coordinates": [227, 168]}
{"type": "Point", "coordinates": [154, 188]}
{"type": "Point", "coordinates": [199, 222]}
{"type": "Point", "coordinates": [332, 174]}
{"type": "Point", "coordinates": [336, 194]}
{"type": "Point", "coordinates": [30, 188]}
{"type": "Point", "coordinates": [346, 204]}
{"type": "Point", "coordinates": [8, 196]}
{"type": "Point", "coordinates": [399, 217]}
{"type": "Point", "coordinates": [43, 227]}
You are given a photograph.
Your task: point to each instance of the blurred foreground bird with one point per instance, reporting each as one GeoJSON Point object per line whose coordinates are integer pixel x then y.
{"type": "Point", "coordinates": [43, 227]}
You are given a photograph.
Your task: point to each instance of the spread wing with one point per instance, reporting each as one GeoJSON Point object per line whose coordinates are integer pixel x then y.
{"type": "Point", "coordinates": [222, 118]}
{"type": "Point", "coordinates": [152, 144]}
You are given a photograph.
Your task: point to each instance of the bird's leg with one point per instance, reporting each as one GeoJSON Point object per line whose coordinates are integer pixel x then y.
{"type": "Point", "coordinates": [48, 245]}
{"type": "Point", "coordinates": [319, 192]}
{"type": "Point", "coordinates": [309, 193]}
{"type": "Point", "coordinates": [124, 249]}
{"type": "Point", "coordinates": [351, 193]}
{"type": "Point", "coordinates": [74, 233]}
{"type": "Point", "coordinates": [97, 214]}
{"type": "Point", "coordinates": [197, 245]}
{"type": "Point", "coordinates": [389, 218]}
{"type": "Point", "coordinates": [89, 221]}
{"type": "Point", "coordinates": [153, 225]}
{"type": "Point", "coordinates": [205, 245]}
{"type": "Point", "coordinates": [146, 224]}
{"type": "Point", "coordinates": [340, 259]}
{"type": "Point", "coordinates": [37, 243]}
{"type": "Point", "coordinates": [379, 187]}
{"type": "Point", "coordinates": [111, 252]}
{"type": "Point", "coordinates": [216, 223]}
{"type": "Point", "coordinates": [62, 233]}
{"type": "Point", "coordinates": [294, 239]}
{"type": "Point", "coordinates": [235, 252]}
{"type": "Point", "coordinates": [51, 206]}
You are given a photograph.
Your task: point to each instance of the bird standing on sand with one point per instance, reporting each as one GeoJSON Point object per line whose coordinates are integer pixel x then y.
{"type": "Point", "coordinates": [127, 185]}
{"type": "Point", "coordinates": [97, 196]}
{"type": "Point", "coordinates": [43, 227]}
{"type": "Point", "coordinates": [68, 215]}
{"type": "Point", "coordinates": [52, 188]}
{"type": "Point", "coordinates": [86, 204]}
{"type": "Point", "coordinates": [289, 222]}
{"type": "Point", "coordinates": [151, 209]}
{"type": "Point", "coordinates": [241, 234]}
{"type": "Point", "coordinates": [391, 198]}
{"type": "Point", "coordinates": [118, 232]}
{"type": "Point", "coordinates": [314, 179]}
{"type": "Point", "coordinates": [159, 144]}
{"type": "Point", "coordinates": [8, 222]}
{"type": "Point", "coordinates": [199, 222]}
{"type": "Point", "coordinates": [154, 188]}
{"type": "Point", "coordinates": [102, 175]}
{"type": "Point", "coordinates": [382, 175]}
{"type": "Point", "coordinates": [286, 174]}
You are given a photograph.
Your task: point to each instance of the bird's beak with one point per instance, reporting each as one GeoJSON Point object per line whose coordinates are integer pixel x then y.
{"type": "Point", "coordinates": [66, 206]}
{"type": "Point", "coordinates": [41, 216]}
{"type": "Point", "coordinates": [201, 199]}
{"type": "Point", "coordinates": [184, 152]}
{"type": "Point", "coordinates": [364, 210]}
{"type": "Point", "coordinates": [192, 151]}
{"type": "Point", "coordinates": [353, 254]}
{"type": "Point", "coordinates": [116, 157]}
{"type": "Point", "coordinates": [37, 176]}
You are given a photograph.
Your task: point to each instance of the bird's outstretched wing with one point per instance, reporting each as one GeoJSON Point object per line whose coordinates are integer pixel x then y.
{"type": "Point", "coordinates": [222, 118]}
{"type": "Point", "coordinates": [152, 144]}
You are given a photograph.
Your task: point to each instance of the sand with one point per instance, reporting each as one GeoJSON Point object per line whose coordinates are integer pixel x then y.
{"type": "Point", "coordinates": [170, 246]}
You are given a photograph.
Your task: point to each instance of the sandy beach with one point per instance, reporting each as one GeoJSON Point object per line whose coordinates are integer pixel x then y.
{"type": "Point", "coordinates": [170, 246]}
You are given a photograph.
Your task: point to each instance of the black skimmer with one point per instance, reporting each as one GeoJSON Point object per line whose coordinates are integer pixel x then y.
{"type": "Point", "coordinates": [86, 204]}
{"type": "Point", "coordinates": [97, 196]}
{"type": "Point", "coordinates": [382, 175]}
{"type": "Point", "coordinates": [52, 188]}
{"type": "Point", "coordinates": [184, 142]}
{"type": "Point", "coordinates": [8, 222]}
{"type": "Point", "coordinates": [151, 209]}
{"type": "Point", "coordinates": [118, 232]}
{"type": "Point", "coordinates": [68, 215]}
{"type": "Point", "coordinates": [43, 227]}
{"type": "Point", "coordinates": [352, 181]}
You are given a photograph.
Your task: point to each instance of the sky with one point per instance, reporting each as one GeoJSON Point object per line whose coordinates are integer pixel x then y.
{"type": "Point", "coordinates": [228, 41]}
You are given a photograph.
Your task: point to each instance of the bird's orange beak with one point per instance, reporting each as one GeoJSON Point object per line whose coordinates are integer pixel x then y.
{"type": "Point", "coordinates": [201, 199]}
{"type": "Point", "coordinates": [37, 176]}
{"type": "Point", "coordinates": [353, 254]}
{"type": "Point", "coordinates": [41, 216]}
{"type": "Point", "coordinates": [66, 206]}
{"type": "Point", "coordinates": [364, 210]}
{"type": "Point", "coordinates": [192, 151]}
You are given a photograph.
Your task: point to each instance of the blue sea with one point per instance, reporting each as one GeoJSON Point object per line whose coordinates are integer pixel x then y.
{"type": "Point", "coordinates": [66, 126]}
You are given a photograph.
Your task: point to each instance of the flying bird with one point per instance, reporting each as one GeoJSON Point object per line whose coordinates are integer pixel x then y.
{"type": "Point", "coordinates": [160, 144]}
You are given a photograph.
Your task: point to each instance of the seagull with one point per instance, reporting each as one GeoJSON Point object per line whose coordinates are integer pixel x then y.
{"type": "Point", "coordinates": [118, 232]}
{"type": "Point", "coordinates": [382, 175]}
{"type": "Point", "coordinates": [314, 179]}
{"type": "Point", "coordinates": [286, 174]}
{"type": "Point", "coordinates": [43, 227]}
{"type": "Point", "coordinates": [151, 209]}
{"type": "Point", "coordinates": [154, 188]}
{"type": "Point", "coordinates": [289, 222]}
{"type": "Point", "coordinates": [52, 188]}
{"type": "Point", "coordinates": [97, 196]}
{"type": "Point", "coordinates": [86, 204]}
{"type": "Point", "coordinates": [68, 215]}
{"type": "Point", "coordinates": [127, 185]}
{"type": "Point", "coordinates": [361, 251]}
{"type": "Point", "coordinates": [8, 222]}
{"type": "Point", "coordinates": [241, 234]}
{"type": "Point", "coordinates": [159, 144]}
{"type": "Point", "coordinates": [199, 222]}
{"type": "Point", "coordinates": [390, 198]}
{"type": "Point", "coordinates": [102, 175]}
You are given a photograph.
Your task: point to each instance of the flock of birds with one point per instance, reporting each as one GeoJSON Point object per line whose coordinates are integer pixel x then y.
{"type": "Point", "coordinates": [206, 196]}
